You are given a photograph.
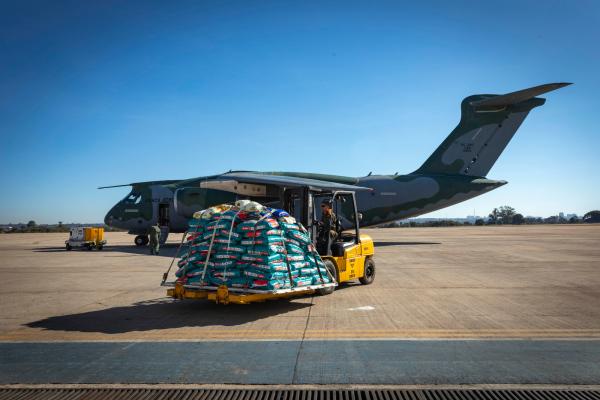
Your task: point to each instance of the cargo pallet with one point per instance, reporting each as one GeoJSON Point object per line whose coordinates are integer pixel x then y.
{"type": "Point", "coordinates": [226, 295]}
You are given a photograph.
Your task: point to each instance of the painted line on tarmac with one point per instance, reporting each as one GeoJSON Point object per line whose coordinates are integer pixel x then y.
{"type": "Point", "coordinates": [390, 339]}
{"type": "Point", "coordinates": [250, 334]}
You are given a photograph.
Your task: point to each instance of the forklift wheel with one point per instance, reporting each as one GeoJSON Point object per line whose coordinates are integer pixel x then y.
{"type": "Point", "coordinates": [68, 247]}
{"type": "Point", "coordinates": [369, 276]}
{"type": "Point", "coordinates": [333, 270]}
{"type": "Point", "coordinates": [89, 246]}
{"type": "Point", "coordinates": [99, 247]}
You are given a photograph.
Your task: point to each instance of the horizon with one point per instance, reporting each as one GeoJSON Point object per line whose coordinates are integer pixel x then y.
{"type": "Point", "coordinates": [405, 219]}
{"type": "Point", "coordinates": [110, 93]}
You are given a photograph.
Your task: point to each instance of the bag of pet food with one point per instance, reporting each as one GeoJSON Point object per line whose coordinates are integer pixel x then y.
{"type": "Point", "coordinates": [231, 248]}
{"type": "Point", "coordinates": [295, 257]}
{"type": "Point", "coordinates": [308, 271]}
{"type": "Point", "coordinates": [272, 267]}
{"type": "Point", "coordinates": [262, 240]}
{"type": "Point", "coordinates": [217, 225]}
{"type": "Point", "coordinates": [299, 236]}
{"type": "Point", "coordinates": [222, 264]}
{"type": "Point", "coordinates": [303, 281]}
{"type": "Point", "coordinates": [267, 223]}
{"type": "Point", "coordinates": [226, 256]}
{"type": "Point", "coordinates": [267, 259]}
{"type": "Point", "coordinates": [269, 284]}
{"type": "Point", "coordinates": [277, 213]}
{"type": "Point", "coordinates": [292, 248]}
{"type": "Point", "coordinates": [246, 226]}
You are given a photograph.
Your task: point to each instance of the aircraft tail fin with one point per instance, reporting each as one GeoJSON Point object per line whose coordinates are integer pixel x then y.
{"type": "Point", "coordinates": [488, 122]}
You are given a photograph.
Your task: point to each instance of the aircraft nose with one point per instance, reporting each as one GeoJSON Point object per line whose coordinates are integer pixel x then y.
{"type": "Point", "coordinates": [108, 219]}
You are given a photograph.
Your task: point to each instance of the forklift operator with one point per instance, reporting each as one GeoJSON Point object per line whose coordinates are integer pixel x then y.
{"type": "Point", "coordinates": [327, 232]}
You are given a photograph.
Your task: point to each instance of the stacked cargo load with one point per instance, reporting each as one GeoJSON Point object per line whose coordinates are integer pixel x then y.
{"type": "Point", "coordinates": [249, 246]}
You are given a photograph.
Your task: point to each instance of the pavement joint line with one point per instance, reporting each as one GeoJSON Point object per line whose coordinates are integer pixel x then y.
{"type": "Point", "coordinates": [310, 338]}
{"type": "Point", "coordinates": [295, 372]}
{"type": "Point", "coordinates": [399, 339]}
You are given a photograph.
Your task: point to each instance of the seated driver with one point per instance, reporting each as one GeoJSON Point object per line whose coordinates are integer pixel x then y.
{"type": "Point", "coordinates": [327, 227]}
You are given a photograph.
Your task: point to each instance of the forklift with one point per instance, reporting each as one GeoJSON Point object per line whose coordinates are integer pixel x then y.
{"type": "Point", "coordinates": [350, 255]}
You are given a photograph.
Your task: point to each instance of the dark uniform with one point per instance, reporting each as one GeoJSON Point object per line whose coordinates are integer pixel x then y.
{"type": "Point", "coordinates": [154, 234]}
{"type": "Point", "coordinates": [327, 232]}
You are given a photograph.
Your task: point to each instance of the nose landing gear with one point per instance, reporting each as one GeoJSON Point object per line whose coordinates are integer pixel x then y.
{"type": "Point", "coordinates": [141, 240]}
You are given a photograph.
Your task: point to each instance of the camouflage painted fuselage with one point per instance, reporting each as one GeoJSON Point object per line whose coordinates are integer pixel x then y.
{"type": "Point", "coordinates": [454, 172]}
{"type": "Point", "coordinates": [391, 198]}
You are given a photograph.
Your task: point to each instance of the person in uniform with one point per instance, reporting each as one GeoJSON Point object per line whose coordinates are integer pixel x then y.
{"type": "Point", "coordinates": [154, 234]}
{"type": "Point", "coordinates": [327, 227]}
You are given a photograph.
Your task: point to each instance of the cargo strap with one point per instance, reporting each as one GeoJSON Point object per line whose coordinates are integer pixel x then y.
{"type": "Point", "coordinates": [166, 274]}
{"type": "Point", "coordinates": [212, 240]}
{"type": "Point", "coordinates": [229, 243]}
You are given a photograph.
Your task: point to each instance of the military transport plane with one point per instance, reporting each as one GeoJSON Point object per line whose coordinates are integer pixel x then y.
{"type": "Point", "coordinates": [455, 172]}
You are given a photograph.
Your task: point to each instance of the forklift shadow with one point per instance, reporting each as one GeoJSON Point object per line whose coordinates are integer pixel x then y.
{"type": "Point", "coordinates": [385, 244]}
{"type": "Point", "coordinates": [166, 250]}
{"type": "Point", "coordinates": [165, 314]}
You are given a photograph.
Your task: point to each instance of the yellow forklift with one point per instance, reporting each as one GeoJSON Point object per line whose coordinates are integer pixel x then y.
{"type": "Point", "coordinates": [350, 255]}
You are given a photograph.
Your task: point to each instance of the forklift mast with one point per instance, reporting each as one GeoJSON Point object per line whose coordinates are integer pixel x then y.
{"type": "Point", "coordinates": [300, 203]}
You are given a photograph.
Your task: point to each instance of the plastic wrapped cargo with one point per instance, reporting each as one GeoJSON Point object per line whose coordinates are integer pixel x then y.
{"type": "Point", "coordinates": [249, 246]}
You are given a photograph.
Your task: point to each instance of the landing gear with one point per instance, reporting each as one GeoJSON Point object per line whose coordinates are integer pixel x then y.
{"type": "Point", "coordinates": [141, 240]}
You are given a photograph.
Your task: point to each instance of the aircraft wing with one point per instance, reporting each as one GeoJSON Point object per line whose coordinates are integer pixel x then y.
{"type": "Point", "coordinates": [288, 181]}
{"type": "Point", "coordinates": [167, 182]}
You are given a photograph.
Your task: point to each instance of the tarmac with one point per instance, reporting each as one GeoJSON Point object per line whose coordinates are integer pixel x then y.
{"type": "Point", "coordinates": [460, 305]}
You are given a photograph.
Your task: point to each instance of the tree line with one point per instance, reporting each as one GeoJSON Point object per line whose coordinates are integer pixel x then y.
{"type": "Point", "coordinates": [33, 227]}
{"type": "Point", "coordinates": [504, 215]}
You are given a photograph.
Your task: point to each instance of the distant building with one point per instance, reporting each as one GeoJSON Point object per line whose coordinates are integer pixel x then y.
{"type": "Point", "coordinates": [473, 218]}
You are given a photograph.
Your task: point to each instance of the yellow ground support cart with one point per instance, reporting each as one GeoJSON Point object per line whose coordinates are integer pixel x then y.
{"type": "Point", "coordinates": [347, 257]}
{"type": "Point", "coordinates": [87, 237]}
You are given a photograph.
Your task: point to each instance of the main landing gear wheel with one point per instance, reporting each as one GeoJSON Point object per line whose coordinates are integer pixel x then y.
{"type": "Point", "coordinates": [369, 272]}
{"type": "Point", "coordinates": [333, 272]}
{"type": "Point", "coordinates": [141, 240]}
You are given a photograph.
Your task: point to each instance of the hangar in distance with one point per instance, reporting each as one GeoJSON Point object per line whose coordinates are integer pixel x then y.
{"type": "Point", "coordinates": [455, 172]}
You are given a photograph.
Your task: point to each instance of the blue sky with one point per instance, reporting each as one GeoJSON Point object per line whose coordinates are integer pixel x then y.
{"type": "Point", "coordinates": [117, 92]}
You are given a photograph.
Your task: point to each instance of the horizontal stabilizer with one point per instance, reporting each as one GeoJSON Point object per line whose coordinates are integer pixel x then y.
{"type": "Point", "coordinates": [518, 96]}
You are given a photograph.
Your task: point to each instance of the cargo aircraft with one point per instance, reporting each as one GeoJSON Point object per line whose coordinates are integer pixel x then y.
{"type": "Point", "coordinates": [455, 172]}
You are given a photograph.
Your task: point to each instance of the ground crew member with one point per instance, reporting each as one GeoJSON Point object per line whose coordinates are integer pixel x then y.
{"type": "Point", "coordinates": [327, 227]}
{"type": "Point", "coordinates": [154, 233]}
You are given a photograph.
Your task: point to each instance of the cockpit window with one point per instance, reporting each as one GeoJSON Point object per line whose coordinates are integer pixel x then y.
{"type": "Point", "coordinates": [133, 198]}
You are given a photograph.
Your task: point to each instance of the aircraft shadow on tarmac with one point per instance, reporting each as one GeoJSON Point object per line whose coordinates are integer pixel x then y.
{"type": "Point", "coordinates": [165, 314]}
{"type": "Point", "coordinates": [384, 244]}
{"type": "Point", "coordinates": [166, 250]}
{"type": "Point", "coordinates": [170, 249]}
